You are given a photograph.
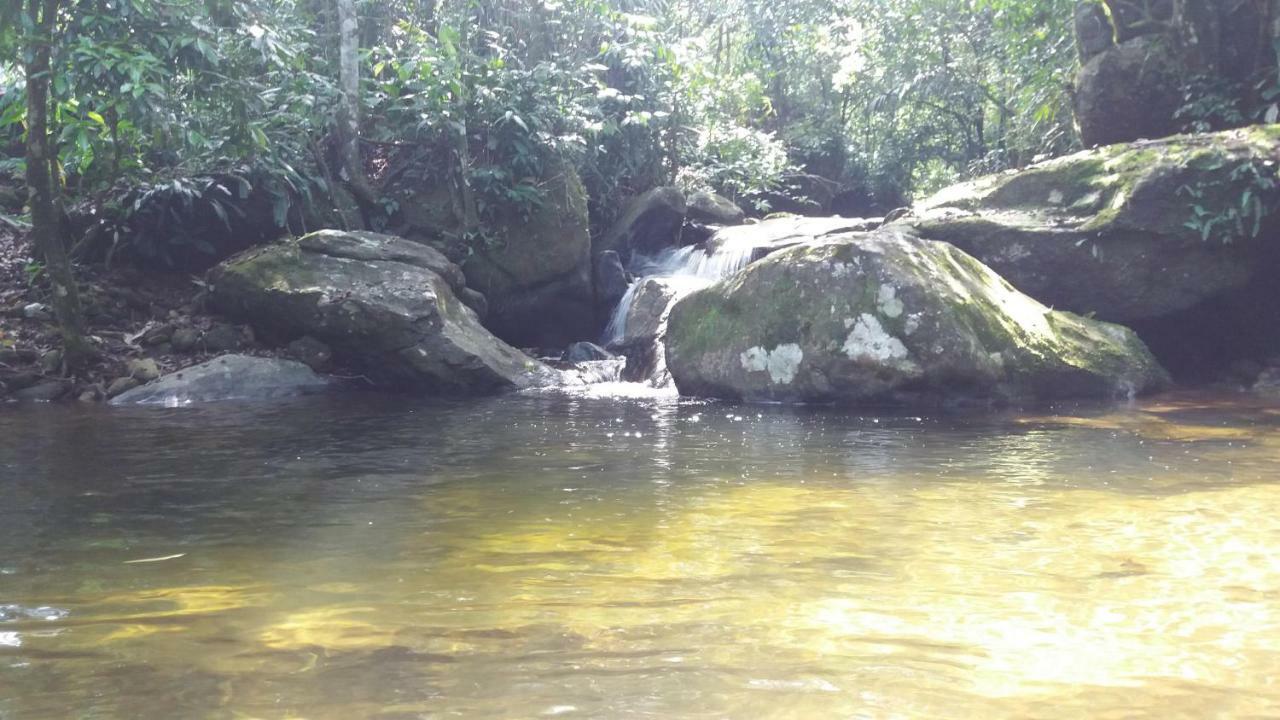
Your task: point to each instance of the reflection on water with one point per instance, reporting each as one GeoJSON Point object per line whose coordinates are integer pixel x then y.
{"type": "Point", "coordinates": [580, 557]}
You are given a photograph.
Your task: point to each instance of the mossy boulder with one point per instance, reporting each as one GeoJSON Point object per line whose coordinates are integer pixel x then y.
{"type": "Point", "coordinates": [385, 305]}
{"type": "Point", "coordinates": [890, 318]}
{"type": "Point", "coordinates": [650, 223]}
{"type": "Point", "coordinates": [1129, 232]}
{"type": "Point", "coordinates": [535, 270]}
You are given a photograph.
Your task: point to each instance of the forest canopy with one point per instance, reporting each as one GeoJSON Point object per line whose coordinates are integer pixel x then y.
{"type": "Point", "coordinates": [759, 100]}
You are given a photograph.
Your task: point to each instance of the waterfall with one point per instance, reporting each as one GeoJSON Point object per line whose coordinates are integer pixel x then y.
{"type": "Point", "coordinates": [684, 270]}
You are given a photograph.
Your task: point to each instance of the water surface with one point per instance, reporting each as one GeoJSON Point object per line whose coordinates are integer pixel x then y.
{"type": "Point", "coordinates": [574, 557]}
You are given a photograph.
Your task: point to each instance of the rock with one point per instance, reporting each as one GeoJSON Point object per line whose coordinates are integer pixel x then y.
{"type": "Point", "coordinates": [611, 280]}
{"type": "Point", "coordinates": [1112, 231]}
{"type": "Point", "coordinates": [157, 335]}
{"type": "Point", "coordinates": [143, 369]}
{"type": "Point", "coordinates": [775, 234]}
{"type": "Point", "coordinates": [713, 209]}
{"type": "Point", "coordinates": [389, 314]}
{"type": "Point", "coordinates": [221, 338]}
{"type": "Point", "coordinates": [310, 351]}
{"type": "Point", "coordinates": [51, 362]}
{"type": "Point", "coordinates": [229, 377]}
{"type": "Point", "coordinates": [88, 395]}
{"type": "Point", "coordinates": [17, 380]}
{"type": "Point", "coordinates": [650, 223]}
{"type": "Point", "coordinates": [44, 392]}
{"type": "Point", "coordinates": [641, 333]}
{"type": "Point", "coordinates": [122, 385]}
{"type": "Point", "coordinates": [1130, 91]}
{"type": "Point", "coordinates": [185, 339]}
{"type": "Point", "coordinates": [890, 318]}
{"type": "Point", "coordinates": [37, 311]}
{"type": "Point", "coordinates": [581, 352]}
{"type": "Point", "coordinates": [17, 356]}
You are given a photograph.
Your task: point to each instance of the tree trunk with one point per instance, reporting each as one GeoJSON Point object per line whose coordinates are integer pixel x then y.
{"type": "Point", "coordinates": [348, 117]}
{"type": "Point", "coordinates": [46, 225]}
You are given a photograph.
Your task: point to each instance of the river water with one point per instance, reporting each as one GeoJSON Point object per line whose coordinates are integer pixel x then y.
{"type": "Point", "coordinates": [563, 556]}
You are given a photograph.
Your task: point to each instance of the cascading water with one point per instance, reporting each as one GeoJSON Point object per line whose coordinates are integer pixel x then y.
{"type": "Point", "coordinates": [638, 324]}
{"type": "Point", "coordinates": [684, 270]}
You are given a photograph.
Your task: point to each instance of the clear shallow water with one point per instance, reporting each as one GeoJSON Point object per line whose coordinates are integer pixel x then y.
{"type": "Point", "coordinates": [552, 556]}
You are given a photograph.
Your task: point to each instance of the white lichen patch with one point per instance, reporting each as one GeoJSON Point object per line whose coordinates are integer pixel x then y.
{"type": "Point", "coordinates": [911, 325]}
{"type": "Point", "coordinates": [782, 363]}
{"type": "Point", "coordinates": [868, 340]}
{"type": "Point", "coordinates": [888, 302]}
{"type": "Point", "coordinates": [1056, 197]}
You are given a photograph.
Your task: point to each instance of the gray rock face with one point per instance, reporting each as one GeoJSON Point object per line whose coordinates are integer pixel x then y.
{"type": "Point", "coordinates": [1129, 91]}
{"type": "Point", "coordinates": [229, 377]}
{"type": "Point", "coordinates": [584, 351]}
{"type": "Point", "coordinates": [1113, 231]}
{"type": "Point", "coordinates": [611, 280]}
{"type": "Point", "coordinates": [713, 209]}
{"type": "Point", "coordinates": [44, 392]}
{"type": "Point", "coordinates": [644, 329]}
{"type": "Point", "coordinates": [890, 318]}
{"type": "Point", "coordinates": [651, 222]}
{"type": "Point", "coordinates": [383, 309]}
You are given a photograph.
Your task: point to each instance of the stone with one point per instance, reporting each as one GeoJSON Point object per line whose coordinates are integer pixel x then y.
{"type": "Point", "coordinates": [122, 385]}
{"type": "Point", "coordinates": [51, 362]}
{"type": "Point", "coordinates": [650, 223]}
{"type": "Point", "coordinates": [889, 318]}
{"type": "Point", "coordinates": [536, 273]}
{"type": "Point", "coordinates": [1130, 91]}
{"type": "Point", "coordinates": [157, 335]}
{"type": "Point", "coordinates": [310, 351]}
{"type": "Point", "coordinates": [228, 377]}
{"type": "Point", "coordinates": [37, 311]}
{"type": "Point", "coordinates": [44, 392]}
{"type": "Point", "coordinates": [20, 379]}
{"type": "Point", "coordinates": [1112, 231]}
{"type": "Point", "coordinates": [611, 280]}
{"type": "Point", "coordinates": [713, 209]}
{"type": "Point", "coordinates": [143, 369]}
{"type": "Point", "coordinates": [584, 351]}
{"type": "Point", "coordinates": [185, 339]}
{"type": "Point", "coordinates": [642, 331]}
{"type": "Point", "coordinates": [221, 337]}
{"type": "Point", "coordinates": [385, 312]}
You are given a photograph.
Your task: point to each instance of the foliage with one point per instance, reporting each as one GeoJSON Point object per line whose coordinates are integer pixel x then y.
{"type": "Point", "coordinates": [1234, 209]}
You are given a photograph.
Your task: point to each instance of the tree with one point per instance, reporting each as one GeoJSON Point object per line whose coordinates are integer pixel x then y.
{"type": "Point", "coordinates": [40, 19]}
{"type": "Point", "coordinates": [347, 132]}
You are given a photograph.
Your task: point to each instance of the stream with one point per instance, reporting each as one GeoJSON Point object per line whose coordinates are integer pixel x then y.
{"type": "Point", "coordinates": [574, 556]}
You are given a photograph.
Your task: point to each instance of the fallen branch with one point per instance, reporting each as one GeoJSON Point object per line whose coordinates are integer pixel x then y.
{"type": "Point", "coordinates": [14, 223]}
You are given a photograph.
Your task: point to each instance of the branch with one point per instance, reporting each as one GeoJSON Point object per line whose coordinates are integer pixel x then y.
{"type": "Point", "coordinates": [14, 223]}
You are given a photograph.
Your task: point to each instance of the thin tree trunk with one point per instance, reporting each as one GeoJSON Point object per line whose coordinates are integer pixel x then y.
{"type": "Point", "coordinates": [348, 116]}
{"type": "Point", "coordinates": [46, 225]}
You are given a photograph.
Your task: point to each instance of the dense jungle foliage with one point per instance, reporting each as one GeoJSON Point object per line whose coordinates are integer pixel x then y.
{"type": "Point", "coordinates": [172, 126]}
{"type": "Point", "coordinates": [196, 101]}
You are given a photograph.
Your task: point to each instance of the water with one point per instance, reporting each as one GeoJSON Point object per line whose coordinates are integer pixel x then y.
{"type": "Point", "coordinates": [685, 269]}
{"type": "Point", "coordinates": [560, 556]}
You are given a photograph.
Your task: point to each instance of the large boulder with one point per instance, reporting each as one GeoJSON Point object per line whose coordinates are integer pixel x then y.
{"type": "Point", "coordinates": [1129, 232]}
{"type": "Point", "coordinates": [639, 329]}
{"type": "Point", "coordinates": [650, 223]}
{"type": "Point", "coordinates": [536, 273]}
{"type": "Point", "coordinates": [383, 304]}
{"type": "Point", "coordinates": [1130, 91]}
{"type": "Point", "coordinates": [712, 209]}
{"type": "Point", "coordinates": [890, 318]}
{"type": "Point", "coordinates": [229, 377]}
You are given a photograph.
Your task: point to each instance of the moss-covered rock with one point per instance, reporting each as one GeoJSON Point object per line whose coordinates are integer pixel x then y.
{"type": "Point", "coordinates": [888, 317]}
{"type": "Point", "coordinates": [383, 304]}
{"type": "Point", "coordinates": [1129, 232]}
{"type": "Point", "coordinates": [536, 271]}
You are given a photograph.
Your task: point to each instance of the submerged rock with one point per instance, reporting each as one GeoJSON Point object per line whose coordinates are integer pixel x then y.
{"type": "Point", "coordinates": [891, 318]}
{"type": "Point", "coordinates": [229, 377]}
{"type": "Point", "coordinates": [382, 303]}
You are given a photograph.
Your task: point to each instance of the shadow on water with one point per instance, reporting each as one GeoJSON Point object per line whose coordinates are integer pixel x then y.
{"type": "Point", "coordinates": [557, 555]}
